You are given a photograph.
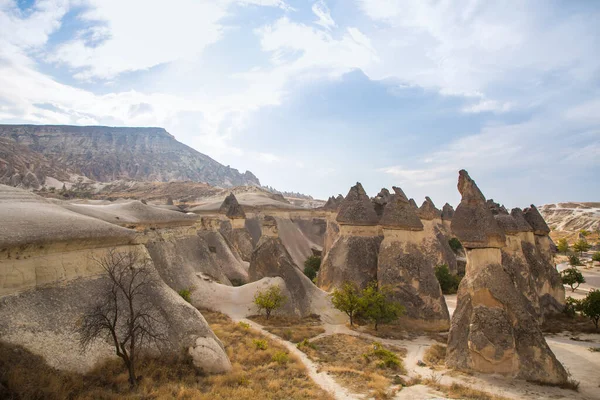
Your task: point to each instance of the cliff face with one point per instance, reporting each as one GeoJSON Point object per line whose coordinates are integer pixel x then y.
{"type": "Point", "coordinates": [106, 154]}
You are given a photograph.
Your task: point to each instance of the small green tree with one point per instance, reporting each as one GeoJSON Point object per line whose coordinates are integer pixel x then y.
{"type": "Point", "coordinates": [574, 260]}
{"type": "Point", "coordinates": [312, 266]}
{"type": "Point", "coordinates": [572, 306]}
{"type": "Point", "coordinates": [596, 256]}
{"type": "Point", "coordinates": [377, 307]}
{"type": "Point", "coordinates": [562, 246]}
{"type": "Point", "coordinates": [448, 281]}
{"type": "Point", "coordinates": [269, 300]}
{"type": "Point", "coordinates": [455, 244]}
{"type": "Point", "coordinates": [573, 278]}
{"type": "Point", "coordinates": [347, 300]}
{"type": "Point", "coordinates": [581, 245]}
{"type": "Point", "coordinates": [590, 306]}
{"type": "Point", "coordinates": [584, 232]}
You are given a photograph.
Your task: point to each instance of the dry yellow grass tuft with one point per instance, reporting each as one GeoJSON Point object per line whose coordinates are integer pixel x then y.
{"type": "Point", "coordinates": [358, 364]}
{"type": "Point", "coordinates": [458, 391]}
{"type": "Point", "coordinates": [269, 374]}
{"type": "Point", "coordinates": [435, 355]}
{"type": "Point", "coordinates": [292, 329]}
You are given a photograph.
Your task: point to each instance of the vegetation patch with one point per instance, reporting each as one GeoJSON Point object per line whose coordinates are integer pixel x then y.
{"type": "Point", "coordinates": [292, 329]}
{"type": "Point", "coordinates": [254, 374]}
{"type": "Point", "coordinates": [359, 364]}
{"type": "Point", "coordinates": [435, 355]}
{"type": "Point", "coordinates": [458, 391]}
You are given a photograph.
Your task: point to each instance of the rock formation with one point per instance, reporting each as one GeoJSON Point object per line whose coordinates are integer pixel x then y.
{"type": "Point", "coordinates": [540, 256]}
{"type": "Point", "coordinates": [353, 255]}
{"type": "Point", "coordinates": [447, 214]}
{"type": "Point", "coordinates": [428, 210]}
{"type": "Point", "coordinates": [413, 203]}
{"type": "Point", "coordinates": [49, 279]}
{"type": "Point", "coordinates": [379, 201]}
{"type": "Point", "coordinates": [494, 328]}
{"type": "Point", "coordinates": [235, 230]}
{"type": "Point", "coordinates": [404, 265]}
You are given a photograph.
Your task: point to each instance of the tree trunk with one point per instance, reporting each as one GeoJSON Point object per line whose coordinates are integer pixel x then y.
{"type": "Point", "coordinates": [268, 312]}
{"type": "Point", "coordinates": [376, 323]}
{"type": "Point", "coordinates": [351, 321]}
{"type": "Point", "coordinates": [132, 379]}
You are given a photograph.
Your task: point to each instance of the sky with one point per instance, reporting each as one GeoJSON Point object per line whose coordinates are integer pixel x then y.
{"type": "Point", "coordinates": [315, 95]}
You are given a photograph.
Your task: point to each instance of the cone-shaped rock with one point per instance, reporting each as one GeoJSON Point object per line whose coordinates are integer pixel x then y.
{"type": "Point", "coordinates": [232, 208]}
{"type": "Point", "coordinates": [522, 224]}
{"type": "Point", "coordinates": [405, 265]}
{"type": "Point", "coordinates": [495, 327]}
{"type": "Point", "coordinates": [413, 203]}
{"type": "Point", "coordinates": [447, 212]}
{"type": "Point", "coordinates": [357, 209]}
{"type": "Point", "coordinates": [473, 222]}
{"type": "Point", "coordinates": [399, 214]}
{"type": "Point", "coordinates": [428, 210]}
{"type": "Point", "coordinates": [535, 219]}
{"type": "Point", "coordinates": [379, 201]}
{"type": "Point", "coordinates": [496, 208]}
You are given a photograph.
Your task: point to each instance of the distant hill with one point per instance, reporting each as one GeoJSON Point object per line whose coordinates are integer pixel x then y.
{"type": "Point", "coordinates": [572, 216]}
{"type": "Point", "coordinates": [32, 156]}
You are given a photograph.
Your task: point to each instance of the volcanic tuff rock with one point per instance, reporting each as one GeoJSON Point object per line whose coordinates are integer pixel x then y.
{"type": "Point", "coordinates": [357, 209]}
{"type": "Point", "coordinates": [399, 214]}
{"type": "Point", "coordinates": [231, 208]}
{"type": "Point", "coordinates": [403, 264]}
{"type": "Point", "coordinates": [107, 153]}
{"type": "Point", "coordinates": [379, 201]}
{"type": "Point", "coordinates": [496, 208]}
{"type": "Point", "coordinates": [413, 203]}
{"type": "Point", "coordinates": [473, 223]}
{"type": "Point", "coordinates": [447, 212]}
{"type": "Point", "coordinates": [572, 216]}
{"type": "Point", "coordinates": [535, 219]}
{"type": "Point", "coordinates": [428, 210]}
{"type": "Point", "coordinates": [494, 328]}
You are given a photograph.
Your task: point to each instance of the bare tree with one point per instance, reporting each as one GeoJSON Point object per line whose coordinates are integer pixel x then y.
{"type": "Point", "coordinates": [123, 312]}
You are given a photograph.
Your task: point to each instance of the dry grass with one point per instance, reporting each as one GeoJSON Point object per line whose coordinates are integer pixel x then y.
{"type": "Point", "coordinates": [458, 391]}
{"type": "Point", "coordinates": [562, 323]}
{"type": "Point", "coordinates": [269, 374]}
{"type": "Point", "coordinates": [435, 355]}
{"type": "Point", "coordinates": [291, 329]}
{"type": "Point", "coordinates": [357, 363]}
{"type": "Point", "coordinates": [400, 330]}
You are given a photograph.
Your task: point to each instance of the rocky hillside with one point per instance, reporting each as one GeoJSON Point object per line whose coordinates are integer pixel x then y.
{"type": "Point", "coordinates": [30, 154]}
{"type": "Point", "coordinates": [572, 216]}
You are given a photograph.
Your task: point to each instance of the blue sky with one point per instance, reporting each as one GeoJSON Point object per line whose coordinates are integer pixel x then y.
{"type": "Point", "coordinates": [314, 95]}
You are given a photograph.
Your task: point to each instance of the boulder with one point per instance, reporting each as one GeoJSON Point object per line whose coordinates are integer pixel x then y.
{"type": "Point", "coordinates": [379, 201]}
{"type": "Point", "coordinates": [495, 327]}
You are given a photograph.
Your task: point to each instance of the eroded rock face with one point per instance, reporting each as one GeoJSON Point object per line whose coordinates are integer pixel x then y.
{"type": "Point", "coordinates": [473, 222]}
{"type": "Point", "coordinates": [357, 209]}
{"type": "Point", "coordinates": [428, 211]}
{"type": "Point", "coordinates": [404, 265]}
{"type": "Point", "coordinates": [379, 201]}
{"type": "Point", "coordinates": [447, 212]}
{"type": "Point", "coordinates": [535, 219]}
{"type": "Point", "coordinates": [232, 208]}
{"type": "Point", "coordinates": [495, 327]}
{"type": "Point", "coordinates": [353, 255]}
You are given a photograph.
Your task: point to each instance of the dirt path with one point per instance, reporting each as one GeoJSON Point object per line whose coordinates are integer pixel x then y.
{"type": "Point", "coordinates": [324, 380]}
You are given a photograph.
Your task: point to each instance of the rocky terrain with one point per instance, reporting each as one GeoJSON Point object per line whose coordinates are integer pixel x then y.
{"type": "Point", "coordinates": [32, 156]}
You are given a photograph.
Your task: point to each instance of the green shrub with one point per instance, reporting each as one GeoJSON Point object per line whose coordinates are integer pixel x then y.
{"type": "Point", "coordinates": [260, 344]}
{"type": "Point", "coordinates": [572, 306]}
{"type": "Point", "coordinates": [376, 305]}
{"type": "Point", "coordinates": [281, 357]}
{"type": "Point", "coordinates": [448, 281]}
{"type": "Point", "coordinates": [562, 246]}
{"type": "Point", "coordinates": [244, 325]}
{"type": "Point", "coordinates": [581, 246]}
{"type": "Point", "coordinates": [388, 359]}
{"type": "Point", "coordinates": [455, 244]}
{"type": "Point", "coordinates": [572, 277]}
{"type": "Point", "coordinates": [590, 306]}
{"type": "Point", "coordinates": [306, 343]}
{"type": "Point", "coordinates": [574, 260]}
{"type": "Point", "coordinates": [269, 300]}
{"type": "Point", "coordinates": [186, 294]}
{"type": "Point", "coordinates": [596, 256]}
{"type": "Point", "coordinates": [312, 266]}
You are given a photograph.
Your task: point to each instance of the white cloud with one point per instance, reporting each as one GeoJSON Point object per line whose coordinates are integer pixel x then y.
{"type": "Point", "coordinates": [323, 14]}
{"type": "Point", "coordinates": [268, 158]}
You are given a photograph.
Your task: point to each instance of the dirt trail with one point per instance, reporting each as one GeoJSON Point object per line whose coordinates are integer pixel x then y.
{"type": "Point", "coordinates": [325, 381]}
